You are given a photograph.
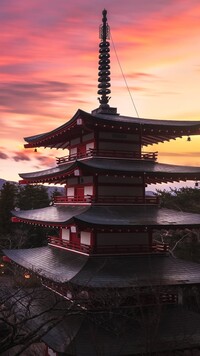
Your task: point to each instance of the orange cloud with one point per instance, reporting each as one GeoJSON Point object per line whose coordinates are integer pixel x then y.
{"type": "Point", "coordinates": [49, 64]}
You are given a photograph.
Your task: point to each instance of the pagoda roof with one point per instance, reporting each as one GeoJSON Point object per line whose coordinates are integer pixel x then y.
{"type": "Point", "coordinates": [154, 172]}
{"type": "Point", "coordinates": [109, 216]}
{"type": "Point", "coordinates": [152, 130]}
{"type": "Point", "coordinates": [62, 266]}
{"type": "Point", "coordinates": [121, 331]}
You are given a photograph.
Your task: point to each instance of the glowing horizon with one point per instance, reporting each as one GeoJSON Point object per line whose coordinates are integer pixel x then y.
{"type": "Point", "coordinates": [49, 69]}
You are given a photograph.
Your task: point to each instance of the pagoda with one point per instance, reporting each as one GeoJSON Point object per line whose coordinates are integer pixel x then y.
{"type": "Point", "coordinates": [103, 252]}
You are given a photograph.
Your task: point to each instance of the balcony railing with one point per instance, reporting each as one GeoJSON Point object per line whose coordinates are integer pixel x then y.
{"type": "Point", "coordinates": [102, 199]}
{"type": "Point", "coordinates": [93, 299]}
{"type": "Point", "coordinates": [70, 245]}
{"type": "Point", "coordinates": [136, 248]}
{"type": "Point", "coordinates": [110, 249]}
{"type": "Point", "coordinates": [108, 153]}
{"type": "Point", "coordinates": [128, 199]}
{"type": "Point", "coordinates": [71, 199]}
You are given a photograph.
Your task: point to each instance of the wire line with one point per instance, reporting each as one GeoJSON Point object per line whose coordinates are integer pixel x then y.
{"type": "Point", "coordinates": [124, 76]}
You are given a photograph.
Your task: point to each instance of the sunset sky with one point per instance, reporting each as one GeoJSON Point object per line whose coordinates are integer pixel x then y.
{"type": "Point", "coordinates": [49, 61]}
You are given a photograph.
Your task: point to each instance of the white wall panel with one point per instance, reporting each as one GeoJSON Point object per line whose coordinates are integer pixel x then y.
{"type": "Point", "coordinates": [89, 145]}
{"type": "Point", "coordinates": [85, 237]}
{"type": "Point", "coordinates": [70, 192]}
{"type": "Point", "coordinates": [65, 234]}
{"type": "Point", "coordinates": [88, 190]}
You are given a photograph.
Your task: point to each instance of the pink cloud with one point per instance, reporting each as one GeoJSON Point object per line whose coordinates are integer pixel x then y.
{"type": "Point", "coordinates": [49, 58]}
{"type": "Point", "coordinates": [20, 156]}
{"type": "Point", "coordinates": [31, 98]}
{"type": "Point", "coordinates": [3, 155]}
{"type": "Point", "coordinates": [46, 161]}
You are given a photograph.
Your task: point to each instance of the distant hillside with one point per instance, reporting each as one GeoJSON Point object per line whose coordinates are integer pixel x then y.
{"type": "Point", "coordinates": [49, 189]}
{"type": "Point", "coordinates": [2, 181]}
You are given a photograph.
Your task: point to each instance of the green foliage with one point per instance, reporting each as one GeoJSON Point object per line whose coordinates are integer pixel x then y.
{"type": "Point", "coordinates": [183, 199]}
{"type": "Point", "coordinates": [7, 203]}
{"type": "Point", "coordinates": [23, 197]}
{"type": "Point", "coordinates": [184, 243]}
{"type": "Point", "coordinates": [32, 197]}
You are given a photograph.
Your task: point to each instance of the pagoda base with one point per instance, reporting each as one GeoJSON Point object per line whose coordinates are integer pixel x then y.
{"type": "Point", "coordinates": [105, 110]}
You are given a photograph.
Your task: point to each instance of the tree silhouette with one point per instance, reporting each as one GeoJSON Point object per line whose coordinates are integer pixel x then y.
{"type": "Point", "coordinates": [32, 197]}
{"type": "Point", "coordinates": [13, 196]}
{"type": "Point", "coordinates": [183, 199]}
{"type": "Point", "coordinates": [7, 203]}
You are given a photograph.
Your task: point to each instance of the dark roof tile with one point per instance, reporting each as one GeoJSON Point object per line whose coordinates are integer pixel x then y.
{"type": "Point", "coordinates": [118, 165]}
{"type": "Point", "coordinates": [110, 215]}
{"type": "Point", "coordinates": [106, 271]}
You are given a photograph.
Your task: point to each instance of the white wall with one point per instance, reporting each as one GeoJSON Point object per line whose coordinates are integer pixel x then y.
{"type": "Point", "coordinates": [65, 234]}
{"type": "Point", "coordinates": [88, 190]}
{"type": "Point", "coordinates": [85, 237]}
{"type": "Point", "coordinates": [70, 192]}
{"type": "Point", "coordinates": [51, 352]}
{"type": "Point", "coordinates": [89, 145]}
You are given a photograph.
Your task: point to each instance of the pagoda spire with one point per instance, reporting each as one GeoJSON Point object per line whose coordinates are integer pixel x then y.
{"type": "Point", "coordinates": [104, 61]}
{"type": "Point", "coordinates": [104, 68]}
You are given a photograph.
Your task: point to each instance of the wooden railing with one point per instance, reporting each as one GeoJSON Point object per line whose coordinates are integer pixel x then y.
{"type": "Point", "coordinates": [127, 199]}
{"type": "Point", "coordinates": [108, 153]}
{"type": "Point", "coordinates": [71, 199]}
{"type": "Point", "coordinates": [136, 248]}
{"type": "Point", "coordinates": [102, 199]}
{"type": "Point", "coordinates": [168, 298]}
{"type": "Point", "coordinates": [100, 298]}
{"type": "Point", "coordinates": [156, 298]}
{"type": "Point", "coordinates": [110, 249]}
{"type": "Point", "coordinates": [70, 245]}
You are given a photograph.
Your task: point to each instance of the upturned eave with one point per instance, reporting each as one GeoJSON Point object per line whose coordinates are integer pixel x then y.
{"type": "Point", "coordinates": [152, 130]}
{"type": "Point", "coordinates": [110, 216]}
{"type": "Point", "coordinates": [152, 172]}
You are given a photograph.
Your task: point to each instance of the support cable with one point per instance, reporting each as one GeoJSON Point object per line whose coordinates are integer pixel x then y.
{"type": "Point", "coordinates": [124, 76]}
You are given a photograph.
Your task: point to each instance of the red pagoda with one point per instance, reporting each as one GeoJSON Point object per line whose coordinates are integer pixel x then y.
{"type": "Point", "coordinates": [105, 224]}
